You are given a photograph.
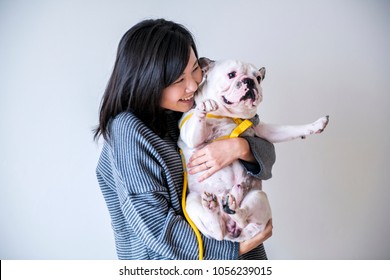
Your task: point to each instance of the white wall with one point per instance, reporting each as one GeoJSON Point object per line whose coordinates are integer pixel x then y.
{"type": "Point", "coordinates": [330, 194]}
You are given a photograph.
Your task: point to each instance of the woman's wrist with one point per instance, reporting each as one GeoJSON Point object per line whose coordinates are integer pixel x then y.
{"type": "Point", "coordinates": [244, 150]}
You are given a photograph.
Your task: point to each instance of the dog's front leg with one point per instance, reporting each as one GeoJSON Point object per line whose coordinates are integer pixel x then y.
{"type": "Point", "coordinates": [281, 133]}
{"type": "Point", "coordinates": [195, 131]}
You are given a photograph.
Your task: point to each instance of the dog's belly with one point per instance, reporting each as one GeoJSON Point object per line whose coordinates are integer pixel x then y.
{"type": "Point", "coordinates": [221, 182]}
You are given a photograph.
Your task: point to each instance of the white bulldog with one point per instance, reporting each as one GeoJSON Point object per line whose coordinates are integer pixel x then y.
{"type": "Point", "coordinates": [230, 204]}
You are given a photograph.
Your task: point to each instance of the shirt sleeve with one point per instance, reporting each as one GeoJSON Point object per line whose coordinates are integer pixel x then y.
{"type": "Point", "coordinates": [264, 153]}
{"type": "Point", "coordinates": [147, 203]}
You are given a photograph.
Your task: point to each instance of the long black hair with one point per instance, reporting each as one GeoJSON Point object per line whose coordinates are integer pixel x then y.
{"type": "Point", "coordinates": [151, 56]}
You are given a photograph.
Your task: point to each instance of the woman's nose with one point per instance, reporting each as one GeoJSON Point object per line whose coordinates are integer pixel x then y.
{"type": "Point", "coordinates": [192, 86]}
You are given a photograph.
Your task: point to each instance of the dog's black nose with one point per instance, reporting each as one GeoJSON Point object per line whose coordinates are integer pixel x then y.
{"type": "Point", "coordinates": [249, 82]}
{"type": "Point", "coordinates": [250, 94]}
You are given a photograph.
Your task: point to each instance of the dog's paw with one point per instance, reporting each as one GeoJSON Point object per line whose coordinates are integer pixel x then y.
{"type": "Point", "coordinates": [206, 106]}
{"type": "Point", "coordinates": [238, 191]}
{"type": "Point", "coordinates": [229, 204]}
{"type": "Point", "coordinates": [320, 124]}
{"type": "Point", "coordinates": [210, 201]}
{"type": "Point", "coordinates": [317, 127]}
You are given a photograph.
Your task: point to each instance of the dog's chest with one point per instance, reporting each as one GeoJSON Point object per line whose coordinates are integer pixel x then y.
{"type": "Point", "coordinates": [221, 128]}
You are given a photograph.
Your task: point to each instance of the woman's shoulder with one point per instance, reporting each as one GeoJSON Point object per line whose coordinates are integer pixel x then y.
{"type": "Point", "coordinates": [125, 118]}
{"type": "Point", "coordinates": [126, 121]}
{"type": "Point", "coordinates": [129, 125]}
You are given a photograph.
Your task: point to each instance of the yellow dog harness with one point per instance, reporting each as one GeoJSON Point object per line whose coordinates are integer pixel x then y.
{"type": "Point", "coordinates": [242, 125]}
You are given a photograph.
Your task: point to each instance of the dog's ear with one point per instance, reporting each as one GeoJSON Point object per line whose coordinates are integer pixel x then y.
{"type": "Point", "coordinates": [262, 72]}
{"type": "Point", "coordinates": [206, 64]}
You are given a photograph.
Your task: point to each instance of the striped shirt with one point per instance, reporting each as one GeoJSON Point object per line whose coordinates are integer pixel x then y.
{"type": "Point", "coordinates": [141, 177]}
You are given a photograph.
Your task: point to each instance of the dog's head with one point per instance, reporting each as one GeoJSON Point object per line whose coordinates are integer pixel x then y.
{"type": "Point", "coordinates": [234, 85]}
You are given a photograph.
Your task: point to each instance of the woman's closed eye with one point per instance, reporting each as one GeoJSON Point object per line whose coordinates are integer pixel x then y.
{"type": "Point", "coordinates": [179, 80]}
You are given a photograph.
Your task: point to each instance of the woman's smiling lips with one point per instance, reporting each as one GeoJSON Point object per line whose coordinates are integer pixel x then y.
{"type": "Point", "coordinates": [189, 98]}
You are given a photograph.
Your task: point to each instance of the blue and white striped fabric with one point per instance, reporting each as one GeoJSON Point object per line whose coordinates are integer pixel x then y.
{"type": "Point", "coordinates": [141, 178]}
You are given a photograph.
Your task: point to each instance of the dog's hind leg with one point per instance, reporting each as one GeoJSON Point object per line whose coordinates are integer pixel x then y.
{"type": "Point", "coordinates": [232, 206]}
{"type": "Point", "coordinates": [204, 211]}
{"type": "Point", "coordinates": [254, 208]}
{"type": "Point", "coordinates": [259, 210]}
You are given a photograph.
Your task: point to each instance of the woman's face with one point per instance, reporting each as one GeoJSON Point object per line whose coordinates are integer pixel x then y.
{"type": "Point", "coordinates": [179, 96]}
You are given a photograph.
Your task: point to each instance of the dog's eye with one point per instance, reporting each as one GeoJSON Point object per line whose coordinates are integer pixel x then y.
{"type": "Point", "coordinates": [232, 75]}
{"type": "Point", "coordinates": [258, 79]}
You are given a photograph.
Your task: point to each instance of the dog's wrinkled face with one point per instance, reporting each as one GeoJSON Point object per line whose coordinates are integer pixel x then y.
{"type": "Point", "coordinates": [234, 85]}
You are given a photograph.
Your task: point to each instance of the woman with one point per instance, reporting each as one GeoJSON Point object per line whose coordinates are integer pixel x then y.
{"type": "Point", "coordinates": [155, 77]}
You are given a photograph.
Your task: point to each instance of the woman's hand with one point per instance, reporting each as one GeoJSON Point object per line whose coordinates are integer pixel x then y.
{"type": "Point", "coordinates": [219, 154]}
{"type": "Point", "coordinates": [251, 244]}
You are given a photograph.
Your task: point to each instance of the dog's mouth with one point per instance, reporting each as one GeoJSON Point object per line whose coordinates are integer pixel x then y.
{"type": "Point", "coordinates": [226, 101]}
{"type": "Point", "coordinates": [249, 95]}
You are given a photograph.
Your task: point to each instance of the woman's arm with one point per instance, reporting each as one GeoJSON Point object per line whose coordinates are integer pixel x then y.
{"type": "Point", "coordinates": [264, 154]}
{"type": "Point", "coordinates": [248, 245]}
{"type": "Point", "coordinates": [257, 155]}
